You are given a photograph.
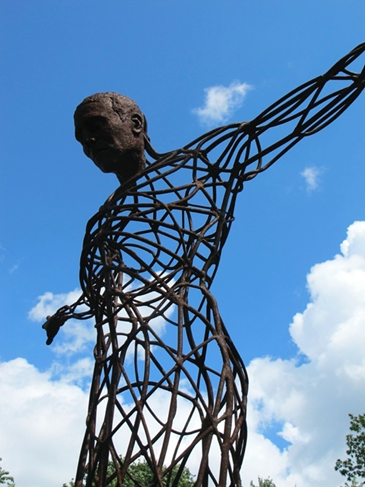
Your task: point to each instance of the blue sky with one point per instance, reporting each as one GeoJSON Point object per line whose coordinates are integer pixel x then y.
{"type": "Point", "coordinates": [165, 55]}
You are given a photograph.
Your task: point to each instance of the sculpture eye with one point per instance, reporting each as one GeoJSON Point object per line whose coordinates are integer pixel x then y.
{"type": "Point", "coordinates": [96, 123]}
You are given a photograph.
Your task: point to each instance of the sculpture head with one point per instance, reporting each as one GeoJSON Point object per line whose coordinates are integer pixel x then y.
{"type": "Point", "coordinates": [111, 129]}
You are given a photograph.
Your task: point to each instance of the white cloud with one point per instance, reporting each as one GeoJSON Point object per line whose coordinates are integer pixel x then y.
{"type": "Point", "coordinates": [49, 303]}
{"type": "Point", "coordinates": [221, 101]}
{"type": "Point", "coordinates": [310, 402]}
{"type": "Point", "coordinates": [41, 427]}
{"type": "Point", "coordinates": [74, 336]}
{"type": "Point", "coordinates": [79, 372]}
{"type": "Point", "coordinates": [311, 176]}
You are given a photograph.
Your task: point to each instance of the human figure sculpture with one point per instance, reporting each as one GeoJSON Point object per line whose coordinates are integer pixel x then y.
{"type": "Point", "coordinates": [169, 386]}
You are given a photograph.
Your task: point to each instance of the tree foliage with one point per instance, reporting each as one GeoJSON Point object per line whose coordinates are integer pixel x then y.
{"type": "Point", "coordinates": [354, 466]}
{"type": "Point", "coordinates": [5, 478]}
{"type": "Point", "coordinates": [263, 483]}
{"type": "Point", "coordinates": [354, 483]}
{"type": "Point", "coordinates": [140, 473]}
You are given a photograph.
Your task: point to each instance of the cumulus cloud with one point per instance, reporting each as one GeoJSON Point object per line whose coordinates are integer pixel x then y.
{"type": "Point", "coordinates": [78, 373]}
{"type": "Point", "coordinates": [311, 176]}
{"type": "Point", "coordinates": [49, 303]}
{"type": "Point", "coordinates": [42, 424]}
{"type": "Point", "coordinates": [309, 402]}
{"type": "Point", "coordinates": [221, 101]}
{"type": "Point", "coordinates": [75, 336]}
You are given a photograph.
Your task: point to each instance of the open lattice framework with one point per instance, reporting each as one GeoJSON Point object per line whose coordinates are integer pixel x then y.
{"type": "Point", "coordinates": [169, 386]}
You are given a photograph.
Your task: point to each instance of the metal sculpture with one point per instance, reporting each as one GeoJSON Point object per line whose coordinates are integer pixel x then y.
{"type": "Point", "coordinates": [169, 385]}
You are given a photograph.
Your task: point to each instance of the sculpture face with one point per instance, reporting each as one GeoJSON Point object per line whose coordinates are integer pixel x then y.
{"type": "Point", "coordinates": [114, 145]}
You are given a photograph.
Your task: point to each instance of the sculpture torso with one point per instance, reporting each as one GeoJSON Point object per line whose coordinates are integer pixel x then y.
{"type": "Point", "coordinates": [163, 233]}
{"type": "Point", "coordinates": [148, 260]}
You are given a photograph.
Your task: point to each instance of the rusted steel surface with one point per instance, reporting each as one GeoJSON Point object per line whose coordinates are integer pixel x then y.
{"type": "Point", "coordinates": [169, 386]}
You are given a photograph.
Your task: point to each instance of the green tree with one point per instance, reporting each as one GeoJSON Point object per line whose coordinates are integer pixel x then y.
{"type": "Point", "coordinates": [263, 483]}
{"type": "Point", "coordinates": [5, 478]}
{"type": "Point", "coordinates": [354, 483]}
{"type": "Point", "coordinates": [141, 474]}
{"type": "Point", "coordinates": [353, 467]}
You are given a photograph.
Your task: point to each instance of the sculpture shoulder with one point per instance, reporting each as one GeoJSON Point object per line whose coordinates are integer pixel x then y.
{"type": "Point", "coordinates": [213, 156]}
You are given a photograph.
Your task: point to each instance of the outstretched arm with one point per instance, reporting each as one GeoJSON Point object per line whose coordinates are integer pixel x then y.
{"type": "Point", "coordinates": [307, 109]}
{"type": "Point", "coordinates": [302, 112]}
{"type": "Point", "coordinates": [54, 322]}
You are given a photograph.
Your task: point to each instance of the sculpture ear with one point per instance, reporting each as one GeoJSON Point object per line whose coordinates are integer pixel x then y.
{"type": "Point", "coordinates": [137, 123]}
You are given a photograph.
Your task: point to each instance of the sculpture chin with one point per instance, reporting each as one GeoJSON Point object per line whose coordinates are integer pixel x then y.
{"type": "Point", "coordinates": [124, 164]}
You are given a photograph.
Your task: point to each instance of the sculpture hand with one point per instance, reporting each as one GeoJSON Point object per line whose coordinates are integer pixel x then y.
{"type": "Point", "coordinates": [53, 324]}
